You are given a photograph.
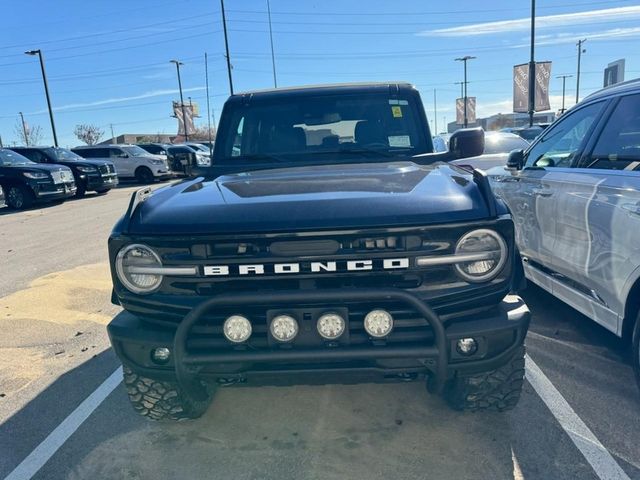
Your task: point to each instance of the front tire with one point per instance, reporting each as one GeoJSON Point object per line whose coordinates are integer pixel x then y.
{"type": "Point", "coordinates": [635, 347]}
{"type": "Point", "coordinates": [158, 400]}
{"type": "Point", "coordinates": [144, 175]}
{"type": "Point", "coordinates": [498, 390]}
{"type": "Point", "coordinates": [19, 197]}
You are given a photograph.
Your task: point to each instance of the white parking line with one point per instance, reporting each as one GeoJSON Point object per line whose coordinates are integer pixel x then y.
{"type": "Point", "coordinates": [50, 445]}
{"type": "Point", "coordinates": [593, 451]}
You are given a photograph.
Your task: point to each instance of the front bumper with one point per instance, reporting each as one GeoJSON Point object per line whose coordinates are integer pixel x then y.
{"type": "Point", "coordinates": [53, 191]}
{"type": "Point", "coordinates": [499, 332]}
{"type": "Point", "coordinates": [102, 182]}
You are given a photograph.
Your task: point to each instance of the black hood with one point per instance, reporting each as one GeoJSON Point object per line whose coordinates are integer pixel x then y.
{"type": "Point", "coordinates": [313, 198]}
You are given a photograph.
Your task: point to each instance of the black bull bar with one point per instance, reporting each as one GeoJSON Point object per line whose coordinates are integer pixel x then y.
{"type": "Point", "coordinates": [189, 382]}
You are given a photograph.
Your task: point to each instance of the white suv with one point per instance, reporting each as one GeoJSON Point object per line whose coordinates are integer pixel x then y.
{"type": "Point", "coordinates": [130, 161]}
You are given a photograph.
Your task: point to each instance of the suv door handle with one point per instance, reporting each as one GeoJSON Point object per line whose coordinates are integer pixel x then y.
{"type": "Point", "coordinates": [542, 192]}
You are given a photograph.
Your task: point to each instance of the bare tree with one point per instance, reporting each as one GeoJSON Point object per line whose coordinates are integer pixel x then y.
{"type": "Point", "coordinates": [87, 133]}
{"type": "Point", "coordinates": [202, 134]}
{"type": "Point", "coordinates": [28, 135]}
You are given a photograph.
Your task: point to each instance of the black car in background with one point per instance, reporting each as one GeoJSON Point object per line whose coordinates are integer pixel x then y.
{"type": "Point", "coordinates": [25, 182]}
{"type": "Point", "coordinates": [90, 175]}
{"type": "Point", "coordinates": [2, 201]}
{"type": "Point", "coordinates": [155, 148]}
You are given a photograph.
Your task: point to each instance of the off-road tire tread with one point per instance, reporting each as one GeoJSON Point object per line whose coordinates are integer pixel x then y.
{"type": "Point", "coordinates": [498, 390]}
{"type": "Point", "coordinates": [158, 400]}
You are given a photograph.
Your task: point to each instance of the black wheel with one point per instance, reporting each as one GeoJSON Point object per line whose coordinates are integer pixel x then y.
{"type": "Point", "coordinates": [635, 344]}
{"type": "Point", "coordinates": [81, 191]}
{"type": "Point", "coordinates": [144, 175]}
{"type": "Point", "coordinates": [19, 196]}
{"type": "Point", "coordinates": [103, 191]}
{"type": "Point", "coordinates": [157, 400]}
{"type": "Point", "coordinates": [498, 390]}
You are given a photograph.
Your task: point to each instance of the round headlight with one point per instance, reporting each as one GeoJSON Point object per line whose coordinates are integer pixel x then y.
{"type": "Point", "coordinates": [331, 326]}
{"type": "Point", "coordinates": [237, 329]}
{"type": "Point", "coordinates": [284, 328]}
{"type": "Point", "coordinates": [378, 323]}
{"type": "Point", "coordinates": [133, 264]}
{"type": "Point", "coordinates": [490, 250]}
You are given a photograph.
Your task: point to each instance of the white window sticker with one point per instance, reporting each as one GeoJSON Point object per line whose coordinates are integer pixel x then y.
{"type": "Point", "coordinates": [399, 141]}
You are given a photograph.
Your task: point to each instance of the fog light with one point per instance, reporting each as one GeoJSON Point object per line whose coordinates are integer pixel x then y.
{"type": "Point", "coordinates": [378, 323]}
{"type": "Point", "coordinates": [237, 329]}
{"type": "Point", "coordinates": [160, 355]}
{"type": "Point", "coordinates": [467, 346]}
{"type": "Point", "coordinates": [284, 328]}
{"type": "Point", "coordinates": [331, 326]}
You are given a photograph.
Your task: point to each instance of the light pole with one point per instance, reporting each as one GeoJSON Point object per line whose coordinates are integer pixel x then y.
{"type": "Point", "coordinates": [564, 81]}
{"type": "Point", "coordinates": [532, 66]}
{"type": "Point", "coordinates": [226, 46]}
{"type": "Point", "coordinates": [206, 79]}
{"type": "Point", "coordinates": [46, 92]}
{"type": "Point", "coordinates": [273, 57]}
{"type": "Point", "coordinates": [465, 59]}
{"type": "Point", "coordinates": [461, 88]}
{"type": "Point", "coordinates": [184, 117]}
{"type": "Point", "coordinates": [24, 129]}
{"type": "Point", "coordinates": [580, 52]}
{"type": "Point", "coordinates": [435, 111]}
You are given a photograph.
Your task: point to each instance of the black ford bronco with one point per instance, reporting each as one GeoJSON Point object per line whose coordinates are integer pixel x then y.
{"type": "Point", "coordinates": [327, 244]}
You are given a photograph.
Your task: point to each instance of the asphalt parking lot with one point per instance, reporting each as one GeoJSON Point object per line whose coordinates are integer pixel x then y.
{"type": "Point", "coordinates": [64, 414]}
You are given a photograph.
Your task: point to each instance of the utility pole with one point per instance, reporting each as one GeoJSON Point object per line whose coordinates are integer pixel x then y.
{"type": "Point", "coordinates": [24, 130]}
{"type": "Point", "coordinates": [580, 52]}
{"type": "Point", "coordinates": [435, 111]}
{"type": "Point", "coordinates": [564, 80]}
{"type": "Point", "coordinates": [46, 92]}
{"type": "Point", "coordinates": [206, 78]}
{"type": "Point", "coordinates": [273, 57]}
{"type": "Point", "coordinates": [532, 65]}
{"type": "Point", "coordinates": [1, 144]}
{"type": "Point", "coordinates": [226, 46]}
{"type": "Point", "coordinates": [465, 59]}
{"type": "Point", "coordinates": [184, 116]}
{"type": "Point", "coordinates": [113, 137]}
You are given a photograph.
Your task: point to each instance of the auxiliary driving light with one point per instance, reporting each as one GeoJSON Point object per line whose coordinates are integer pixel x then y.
{"type": "Point", "coordinates": [378, 323]}
{"type": "Point", "coordinates": [467, 346]}
{"type": "Point", "coordinates": [160, 355]}
{"type": "Point", "coordinates": [237, 329]}
{"type": "Point", "coordinates": [284, 328]}
{"type": "Point", "coordinates": [331, 326]}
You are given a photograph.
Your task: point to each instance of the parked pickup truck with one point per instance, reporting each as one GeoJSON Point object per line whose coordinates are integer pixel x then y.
{"type": "Point", "coordinates": [327, 243]}
{"type": "Point", "coordinates": [575, 198]}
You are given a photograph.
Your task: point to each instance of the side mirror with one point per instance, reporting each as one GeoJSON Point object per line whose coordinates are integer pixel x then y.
{"type": "Point", "coordinates": [515, 160]}
{"type": "Point", "coordinates": [467, 142]}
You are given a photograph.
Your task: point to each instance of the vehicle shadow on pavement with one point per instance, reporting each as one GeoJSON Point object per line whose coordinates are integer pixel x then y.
{"type": "Point", "coordinates": [366, 431]}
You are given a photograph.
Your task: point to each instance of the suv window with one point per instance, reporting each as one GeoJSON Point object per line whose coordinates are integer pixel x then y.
{"type": "Point", "coordinates": [115, 153]}
{"type": "Point", "coordinates": [559, 146]}
{"type": "Point", "coordinates": [92, 152]}
{"type": "Point", "coordinates": [618, 147]}
{"type": "Point", "coordinates": [33, 155]}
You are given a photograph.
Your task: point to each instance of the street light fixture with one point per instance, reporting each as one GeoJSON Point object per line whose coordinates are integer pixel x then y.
{"type": "Point", "coordinates": [465, 59]}
{"type": "Point", "coordinates": [564, 81]}
{"type": "Point", "coordinates": [46, 92]}
{"type": "Point", "coordinates": [184, 117]}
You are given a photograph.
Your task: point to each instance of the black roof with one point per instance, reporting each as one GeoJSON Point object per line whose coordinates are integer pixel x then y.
{"type": "Point", "coordinates": [630, 86]}
{"type": "Point", "coordinates": [327, 89]}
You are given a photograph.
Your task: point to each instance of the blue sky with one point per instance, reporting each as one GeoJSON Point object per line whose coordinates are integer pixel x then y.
{"type": "Point", "coordinates": [108, 61]}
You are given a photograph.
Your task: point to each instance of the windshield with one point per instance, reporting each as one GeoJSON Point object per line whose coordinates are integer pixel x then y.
{"type": "Point", "coordinates": [496, 143]}
{"type": "Point", "coordinates": [307, 126]}
{"type": "Point", "coordinates": [65, 155]}
{"type": "Point", "coordinates": [9, 158]}
{"type": "Point", "coordinates": [136, 151]}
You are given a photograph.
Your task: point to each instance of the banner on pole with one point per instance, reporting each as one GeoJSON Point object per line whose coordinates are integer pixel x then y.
{"type": "Point", "coordinates": [471, 110]}
{"type": "Point", "coordinates": [521, 87]}
{"type": "Point", "coordinates": [188, 121]}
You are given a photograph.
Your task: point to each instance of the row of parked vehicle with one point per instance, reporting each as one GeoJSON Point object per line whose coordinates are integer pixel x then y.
{"type": "Point", "coordinates": [39, 174]}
